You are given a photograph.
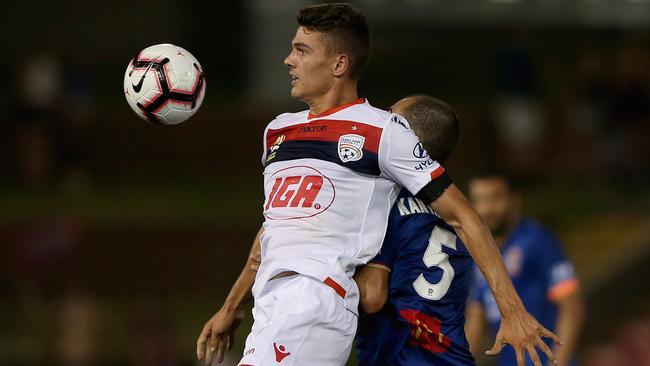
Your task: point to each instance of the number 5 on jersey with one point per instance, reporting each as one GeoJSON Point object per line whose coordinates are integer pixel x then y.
{"type": "Point", "coordinates": [435, 257]}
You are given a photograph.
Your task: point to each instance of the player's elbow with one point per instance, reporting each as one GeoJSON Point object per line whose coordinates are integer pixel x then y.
{"type": "Point", "coordinates": [373, 300]}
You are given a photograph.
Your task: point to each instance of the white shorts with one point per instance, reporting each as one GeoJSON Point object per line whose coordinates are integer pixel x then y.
{"type": "Point", "coordinates": [299, 321]}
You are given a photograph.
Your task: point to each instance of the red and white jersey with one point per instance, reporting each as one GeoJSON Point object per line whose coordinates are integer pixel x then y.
{"type": "Point", "coordinates": [330, 181]}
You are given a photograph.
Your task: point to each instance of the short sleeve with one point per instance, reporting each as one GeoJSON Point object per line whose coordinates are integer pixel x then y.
{"type": "Point", "coordinates": [403, 159]}
{"type": "Point", "coordinates": [560, 275]}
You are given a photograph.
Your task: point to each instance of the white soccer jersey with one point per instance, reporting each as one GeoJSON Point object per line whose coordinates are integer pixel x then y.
{"type": "Point", "coordinates": [330, 181]}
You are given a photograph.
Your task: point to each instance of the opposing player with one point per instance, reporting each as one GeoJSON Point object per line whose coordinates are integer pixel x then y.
{"type": "Point", "coordinates": [331, 175]}
{"type": "Point", "coordinates": [540, 272]}
{"type": "Point", "coordinates": [423, 268]}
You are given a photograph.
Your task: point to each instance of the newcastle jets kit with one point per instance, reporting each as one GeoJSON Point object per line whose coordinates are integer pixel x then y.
{"type": "Point", "coordinates": [431, 272]}
{"type": "Point", "coordinates": [330, 181]}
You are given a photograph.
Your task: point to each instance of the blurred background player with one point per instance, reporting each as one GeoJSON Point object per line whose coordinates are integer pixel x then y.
{"type": "Point", "coordinates": [423, 268]}
{"type": "Point", "coordinates": [541, 273]}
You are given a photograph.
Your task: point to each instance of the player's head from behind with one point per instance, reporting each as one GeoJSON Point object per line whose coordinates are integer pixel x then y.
{"type": "Point", "coordinates": [330, 49]}
{"type": "Point", "coordinates": [433, 121]}
{"type": "Point", "coordinates": [497, 201]}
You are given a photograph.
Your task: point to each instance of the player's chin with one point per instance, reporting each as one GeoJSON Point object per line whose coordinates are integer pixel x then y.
{"type": "Point", "coordinates": [296, 93]}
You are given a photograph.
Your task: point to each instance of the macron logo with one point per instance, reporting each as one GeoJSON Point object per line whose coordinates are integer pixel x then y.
{"type": "Point", "coordinates": [280, 353]}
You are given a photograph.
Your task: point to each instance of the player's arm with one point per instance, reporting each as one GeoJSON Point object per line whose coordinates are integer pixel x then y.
{"type": "Point", "coordinates": [219, 331]}
{"type": "Point", "coordinates": [518, 327]}
{"type": "Point", "coordinates": [372, 280]}
{"type": "Point", "coordinates": [475, 326]}
{"type": "Point", "coordinates": [569, 322]}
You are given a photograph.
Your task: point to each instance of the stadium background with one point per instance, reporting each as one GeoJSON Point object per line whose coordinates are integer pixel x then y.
{"type": "Point", "coordinates": [119, 239]}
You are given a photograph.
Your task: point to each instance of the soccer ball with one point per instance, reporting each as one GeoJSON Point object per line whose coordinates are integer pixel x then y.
{"type": "Point", "coordinates": [164, 84]}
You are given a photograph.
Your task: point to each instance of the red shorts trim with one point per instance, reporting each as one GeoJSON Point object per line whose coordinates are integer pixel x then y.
{"type": "Point", "coordinates": [338, 288]}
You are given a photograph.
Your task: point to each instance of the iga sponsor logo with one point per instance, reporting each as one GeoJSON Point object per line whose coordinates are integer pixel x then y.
{"type": "Point", "coordinates": [298, 192]}
{"type": "Point", "coordinates": [351, 147]}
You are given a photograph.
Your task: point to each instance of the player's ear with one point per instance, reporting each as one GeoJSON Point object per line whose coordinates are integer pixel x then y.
{"type": "Point", "coordinates": [342, 65]}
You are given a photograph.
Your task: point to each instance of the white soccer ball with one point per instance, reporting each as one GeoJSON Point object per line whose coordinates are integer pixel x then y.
{"type": "Point", "coordinates": [164, 84]}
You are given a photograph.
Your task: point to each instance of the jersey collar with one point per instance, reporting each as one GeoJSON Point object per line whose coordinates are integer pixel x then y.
{"type": "Point", "coordinates": [337, 108]}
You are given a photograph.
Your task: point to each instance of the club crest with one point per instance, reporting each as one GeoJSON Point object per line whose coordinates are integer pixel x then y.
{"type": "Point", "coordinates": [351, 147]}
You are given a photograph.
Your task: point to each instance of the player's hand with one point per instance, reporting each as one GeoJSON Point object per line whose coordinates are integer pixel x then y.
{"type": "Point", "coordinates": [524, 334]}
{"type": "Point", "coordinates": [255, 259]}
{"type": "Point", "coordinates": [218, 334]}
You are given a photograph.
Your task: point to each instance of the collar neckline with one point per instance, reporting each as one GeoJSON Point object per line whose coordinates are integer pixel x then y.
{"type": "Point", "coordinates": [337, 108]}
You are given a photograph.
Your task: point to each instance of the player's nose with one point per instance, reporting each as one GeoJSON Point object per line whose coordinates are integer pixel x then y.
{"type": "Point", "coordinates": [289, 60]}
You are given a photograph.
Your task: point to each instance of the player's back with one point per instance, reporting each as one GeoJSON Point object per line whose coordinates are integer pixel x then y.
{"type": "Point", "coordinates": [431, 273]}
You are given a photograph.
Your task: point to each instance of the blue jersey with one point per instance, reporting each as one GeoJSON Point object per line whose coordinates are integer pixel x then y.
{"type": "Point", "coordinates": [431, 273]}
{"type": "Point", "coordinates": [541, 275]}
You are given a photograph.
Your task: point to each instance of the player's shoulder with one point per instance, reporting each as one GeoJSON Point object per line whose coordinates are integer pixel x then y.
{"type": "Point", "coordinates": [533, 227]}
{"type": "Point", "coordinates": [534, 233]}
{"type": "Point", "coordinates": [386, 118]}
{"type": "Point", "coordinates": [287, 119]}
{"type": "Point", "coordinates": [364, 113]}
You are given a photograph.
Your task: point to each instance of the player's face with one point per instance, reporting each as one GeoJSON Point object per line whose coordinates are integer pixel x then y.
{"type": "Point", "coordinates": [310, 63]}
{"type": "Point", "coordinates": [493, 201]}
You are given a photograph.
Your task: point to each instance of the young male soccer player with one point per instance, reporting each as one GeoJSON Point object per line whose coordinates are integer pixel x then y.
{"type": "Point", "coordinates": [540, 272]}
{"type": "Point", "coordinates": [331, 174]}
{"type": "Point", "coordinates": [423, 268]}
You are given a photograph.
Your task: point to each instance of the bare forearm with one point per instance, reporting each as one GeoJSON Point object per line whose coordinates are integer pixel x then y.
{"type": "Point", "coordinates": [240, 292]}
{"type": "Point", "coordinates": [569, 323]}
{"type": "Point", "coordinates": [457, 212]}
{"type": "Point", "coordinates": [484, 251]}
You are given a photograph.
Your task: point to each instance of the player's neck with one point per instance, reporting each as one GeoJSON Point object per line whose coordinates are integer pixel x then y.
{"type": "Point", "coordinates": [333, 98]}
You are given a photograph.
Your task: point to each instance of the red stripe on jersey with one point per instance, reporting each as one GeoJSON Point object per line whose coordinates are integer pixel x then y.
{"type": "Point", "coordinates": [425, 331]}
{"type": "Point", "coordinates": [327, 130]}
{"type": "Point", "coordinates": [436, 173]}
{"type": "Point", "coordinates": [338, 288]}
{"type": "Point", "coordinates": [337, 108]}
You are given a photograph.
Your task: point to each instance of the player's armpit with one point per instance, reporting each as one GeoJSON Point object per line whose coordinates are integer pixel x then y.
{"type": "Point", "coordinates": [255, 256]}
{"type": "Point", "coordinates": [373, 288]}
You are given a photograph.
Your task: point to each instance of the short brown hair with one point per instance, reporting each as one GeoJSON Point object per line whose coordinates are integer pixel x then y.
{"type": "Point", "coordinates": [435, 123]}
{"type": "Point", "coordinates": [346, 26]}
